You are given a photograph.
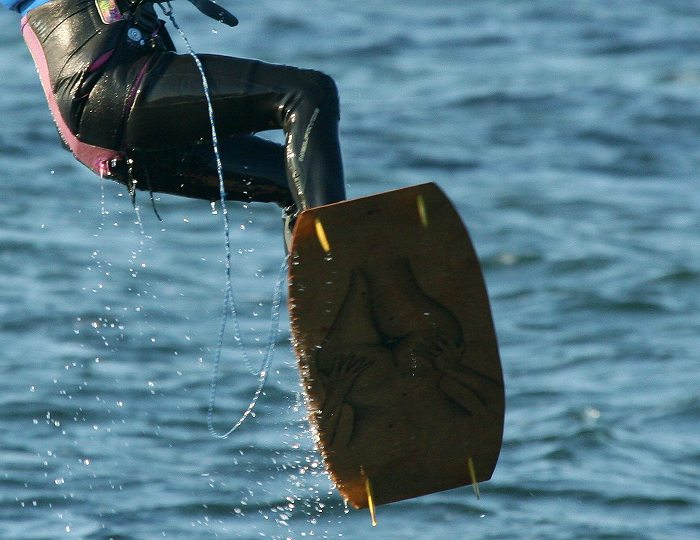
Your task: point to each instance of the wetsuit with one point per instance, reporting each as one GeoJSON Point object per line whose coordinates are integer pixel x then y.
{"type": "Point", "coordinates": [132, 109]}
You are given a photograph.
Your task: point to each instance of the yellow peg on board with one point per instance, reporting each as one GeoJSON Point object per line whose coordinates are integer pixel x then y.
{"type": "Point", "coordinates": [370, 497]}
{"type": "Point", "coordinates": [472, 475]}
{"type": "Point", "coordinates": [321, 234]}
{"type": "Point", "coordinates": [422, 212]}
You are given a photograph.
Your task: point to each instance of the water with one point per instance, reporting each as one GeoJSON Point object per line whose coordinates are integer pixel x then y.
{"type": "Point", "coordinates": [567, 135]}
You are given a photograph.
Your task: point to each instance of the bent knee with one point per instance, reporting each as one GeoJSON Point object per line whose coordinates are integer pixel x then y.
{"type": "Point", "coordinates": [320, 88]}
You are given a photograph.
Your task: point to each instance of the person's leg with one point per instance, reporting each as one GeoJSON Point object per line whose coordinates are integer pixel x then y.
{"type": "Point", "coordinates": [248, 96]}
{"type": "Point", "coordinates": [253, 170]}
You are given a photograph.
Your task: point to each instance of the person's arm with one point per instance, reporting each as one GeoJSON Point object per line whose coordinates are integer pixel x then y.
{"type": "Point", "coordinates": [11, 4]}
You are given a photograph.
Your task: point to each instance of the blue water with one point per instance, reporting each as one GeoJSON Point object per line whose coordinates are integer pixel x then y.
{"type": "Point", "coordinates": [568, 135]}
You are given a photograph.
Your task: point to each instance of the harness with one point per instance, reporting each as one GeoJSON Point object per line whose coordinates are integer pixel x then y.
{"type": "Point", "coordinates": [145, 31]}
{"type": "Point", "coordinates": [215, 11]}
{"type": "Point", "coordinates": [112, 11]}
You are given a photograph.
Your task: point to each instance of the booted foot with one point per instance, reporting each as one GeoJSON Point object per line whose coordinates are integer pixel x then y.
{"type": "Point", "coordinates": [288, 220]}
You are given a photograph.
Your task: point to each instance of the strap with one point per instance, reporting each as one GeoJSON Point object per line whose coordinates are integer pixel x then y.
{"type": "Point", "coordinates": [215, 11]}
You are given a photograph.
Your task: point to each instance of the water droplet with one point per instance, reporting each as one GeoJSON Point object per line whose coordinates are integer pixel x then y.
{"type": "Point", "coordinates": [591, 413]}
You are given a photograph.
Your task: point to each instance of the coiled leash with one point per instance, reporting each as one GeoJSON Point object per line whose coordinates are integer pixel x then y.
{"type": "Point", "coordinates": [218, 13]}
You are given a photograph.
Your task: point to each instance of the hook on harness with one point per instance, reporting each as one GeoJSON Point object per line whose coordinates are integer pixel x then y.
{"type": "Point", "coordinates": [207, 7]}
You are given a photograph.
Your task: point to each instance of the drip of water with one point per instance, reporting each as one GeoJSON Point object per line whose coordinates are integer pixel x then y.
{"type": "Point", "coordinates": [229, 303]}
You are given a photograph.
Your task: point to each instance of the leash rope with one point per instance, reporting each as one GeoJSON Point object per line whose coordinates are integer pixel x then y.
{"type": "Point", "coordinates": [229, 303]}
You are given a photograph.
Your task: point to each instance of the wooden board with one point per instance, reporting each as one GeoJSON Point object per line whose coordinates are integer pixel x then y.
{"type": "Point", "coordinates": [394, 337]}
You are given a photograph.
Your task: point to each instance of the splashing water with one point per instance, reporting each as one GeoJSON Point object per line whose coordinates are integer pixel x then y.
{"type": "Point", "coordinates": [229, 303]}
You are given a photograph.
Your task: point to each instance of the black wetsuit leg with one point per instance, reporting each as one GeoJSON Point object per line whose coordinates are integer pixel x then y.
{"type": "Point", "coordinates": [248, 96]}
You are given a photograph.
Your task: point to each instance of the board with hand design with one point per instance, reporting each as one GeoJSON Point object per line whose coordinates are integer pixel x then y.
{"type": "Point", "coordinates": [395, 341]}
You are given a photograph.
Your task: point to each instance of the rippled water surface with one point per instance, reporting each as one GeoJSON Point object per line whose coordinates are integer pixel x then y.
{"type": "Point", "coordinates": [568, 135]}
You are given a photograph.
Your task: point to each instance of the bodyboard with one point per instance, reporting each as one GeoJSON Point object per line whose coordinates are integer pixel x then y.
{"type": "Point", "coordinates": [396, 346]}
